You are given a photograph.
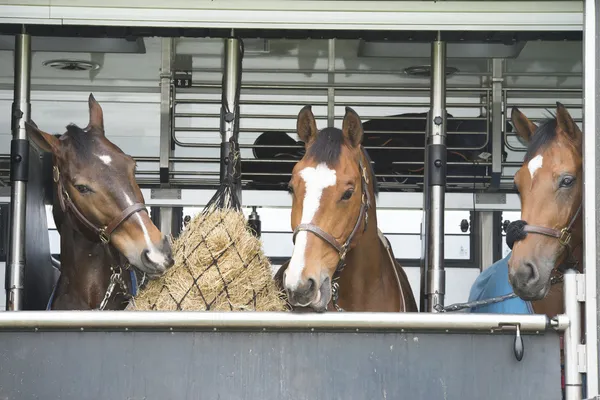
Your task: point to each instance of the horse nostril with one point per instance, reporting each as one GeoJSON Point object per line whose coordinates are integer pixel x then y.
{"type": "Point", "coordinates": [146, 256]}
{"type": "Point", "coordinates": [311, 285]}
{"type": "Point", "coordinates": [530, 273]}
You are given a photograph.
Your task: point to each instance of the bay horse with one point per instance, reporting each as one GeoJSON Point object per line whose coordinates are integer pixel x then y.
{"type": "Point", "coordinates": [340, 261]}
{"type": "Point", "coordinates": [548, 238]}
{"type": "Point", "coordinates": [100, 214]}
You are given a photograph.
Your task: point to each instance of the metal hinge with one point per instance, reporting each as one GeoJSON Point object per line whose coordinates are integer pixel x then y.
{"type": "Point", "coordinates": [580, 280]}
{"type": "Point", "coordinates": [581, 357]}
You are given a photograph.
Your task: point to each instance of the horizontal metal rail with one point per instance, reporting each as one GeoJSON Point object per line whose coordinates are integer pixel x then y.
{"type": "Point", "coordinates": [489, 323]}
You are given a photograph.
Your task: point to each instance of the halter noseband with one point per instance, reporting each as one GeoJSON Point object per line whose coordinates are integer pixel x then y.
{"type": "Point", "coordinates": [518, 230]}
{"type": "Point", "coordinates": [104, 233]}
{"type": "Point", "coordinates": [342, 249]}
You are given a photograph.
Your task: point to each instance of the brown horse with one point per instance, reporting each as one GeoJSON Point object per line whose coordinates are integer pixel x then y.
{"type": "Point", "coordinates": [100, 214]}
{"type": "Point", "coordinates": [550, 234]}
{"type": "Point", "coordinates": [340, 259]}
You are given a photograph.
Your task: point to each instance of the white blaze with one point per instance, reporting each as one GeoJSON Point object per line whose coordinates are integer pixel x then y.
{"type": "Point", "coordinates": [315, 181]}
{"type": "Point", "coordinates": [153, 254]}
{"type": "Point", "coordinates": [105, 159]}
{"type": "Point", "coordinates": [535, 164]}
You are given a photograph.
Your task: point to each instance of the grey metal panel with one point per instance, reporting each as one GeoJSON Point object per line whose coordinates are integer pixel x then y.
{"type": "Point", "coordinates": [275, 365]}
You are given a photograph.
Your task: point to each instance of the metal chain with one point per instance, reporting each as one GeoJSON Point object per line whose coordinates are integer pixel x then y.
{"type": "Point", "coordinates": [116, 278]}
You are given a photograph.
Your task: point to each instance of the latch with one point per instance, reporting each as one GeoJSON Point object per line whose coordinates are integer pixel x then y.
{"type": "Point", "coordinates": [518, 346]}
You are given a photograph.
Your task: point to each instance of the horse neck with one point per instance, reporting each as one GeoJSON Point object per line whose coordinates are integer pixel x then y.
{"type": "Point", "coordinates": [367, 283]}
{"type": "Point", "coordinates": [85, 268]}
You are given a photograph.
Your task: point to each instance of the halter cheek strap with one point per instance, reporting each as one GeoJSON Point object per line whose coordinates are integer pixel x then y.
{"type": "Point", "coordinates": [104, 233]}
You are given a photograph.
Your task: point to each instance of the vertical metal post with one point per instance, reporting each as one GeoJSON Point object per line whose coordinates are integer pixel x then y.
{"type": "Point", "coordinates": [230, 109]}
{"type": "Point", "coordinates": [19, 152]}
{"type": "Point", "coordinates": [331, 82]}
{"type": "Point", "coordinates": [166, 117]}
{"type": "Point", "coordinates": [572, 337]}
{"type": "Point", "coordinates": [433, 278]}
{"type": "Point", "coordinates": [591, 125]}
{"type": "Point", "coordinates": [484, 234]}
{"type": "Point", "coordinates": [497, 120]}
{"type": "Point", "coordinates": [166, 124]}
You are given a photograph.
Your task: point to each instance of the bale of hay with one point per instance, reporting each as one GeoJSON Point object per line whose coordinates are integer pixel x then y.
{"type": "Point", "coordinates": [219, 266]}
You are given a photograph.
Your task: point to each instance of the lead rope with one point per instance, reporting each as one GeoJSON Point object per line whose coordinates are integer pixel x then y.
{"type": "Point", "coordinates": [498, 299]}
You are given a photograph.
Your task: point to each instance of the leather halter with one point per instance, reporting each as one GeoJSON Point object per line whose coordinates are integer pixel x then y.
{"type": "Point", "coordinates": [519, 229]}
{"type": "Point", "coordinates": [104, 233]}
{"type": "Point", "coordinates": [342, 249]}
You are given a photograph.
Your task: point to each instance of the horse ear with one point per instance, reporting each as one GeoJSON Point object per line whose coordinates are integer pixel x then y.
{"type": "Point", "coordinates": [43, 140]}
{"type": "Point", "coordinates": [352, 127]}
{"type": "Point", "coordinates": [524, 127]}
{"type": "Point", "coordinates": [565, 122]}
{"type": "Point", "coordinates": [306, 126]}
{"type": "Point", "coordinates": [96, 114]}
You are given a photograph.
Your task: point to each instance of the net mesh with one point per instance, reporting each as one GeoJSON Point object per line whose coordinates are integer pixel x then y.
{"type": "Point", "coordinates": [219, 266]}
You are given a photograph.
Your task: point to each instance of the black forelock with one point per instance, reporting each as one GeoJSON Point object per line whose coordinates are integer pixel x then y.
{"type": "Point", "coordinates": [79, 138]}
{"type": "Point", "coordinates": [327, 148]}
{"type": "Point", "coordinates": [543, 136]}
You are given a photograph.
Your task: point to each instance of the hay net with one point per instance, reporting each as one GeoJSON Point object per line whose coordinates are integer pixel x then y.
{"type": "Point", "coordinates": [219, 266]}
{"type": "Point", "coordinates": [219, 263]}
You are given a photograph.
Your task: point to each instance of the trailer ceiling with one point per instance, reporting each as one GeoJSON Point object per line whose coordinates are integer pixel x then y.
{"type": "Point", "coordinates": [550, 16]}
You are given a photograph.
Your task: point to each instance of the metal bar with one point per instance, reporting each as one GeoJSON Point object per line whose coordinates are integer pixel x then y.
{"type": "Point", "coordinates": [273, 320]}
{"type": "Point", "coordinates": [166, 120]}
{"type": "Point", "coordinates": [435, 183]}
{"type": "Point", "coordinates": [339, 86]}
{"type": "Point", "coordinates": [484, 232]}
{"type": "Point", "coordinates": [230, 107]}
{"type": "Point", "coordinates": [331, 82]}
{"type": "Point", "coordinates": [572, 337]}
{"type": "Point", "coordinates": [497, 120]}
{"type": "Point", "coordinates": [591, 173]}
{"type": "Point", "coordinates": [21, 112]}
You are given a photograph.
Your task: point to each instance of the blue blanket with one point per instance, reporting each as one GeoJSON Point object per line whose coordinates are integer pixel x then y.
{"type": "Point", "coordinates": [493, 282]}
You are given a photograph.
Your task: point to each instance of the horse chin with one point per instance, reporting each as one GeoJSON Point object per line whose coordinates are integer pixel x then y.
{"type": "Point", "coordinates": [323, 297]}
{"type": "Point", "coordinates": [539, 294]}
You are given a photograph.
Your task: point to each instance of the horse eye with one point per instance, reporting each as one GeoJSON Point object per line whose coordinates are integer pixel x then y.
{"type": "Point", "coordinates": [567, 181]}
{"type": "Point", "coordinates": [290, 189]}
{"type": "Point", "coordinates": [83, 189]}
{"type": "Point", "coordinates": [347, 194]}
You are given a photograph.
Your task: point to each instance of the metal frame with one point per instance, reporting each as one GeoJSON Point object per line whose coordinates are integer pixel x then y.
{"type": "Point", "coordinates": [433, 276]}
{"type": "Point", "coordinates": [326, 14]}
{"type": "Point", "coordinates": [21, 111]}
{"type": "Point", "coordinates": [230, 120]}
{"type": "Point", "coordinates": [591, 194]}
{"type": "Point", "coordinates": [167, 320]}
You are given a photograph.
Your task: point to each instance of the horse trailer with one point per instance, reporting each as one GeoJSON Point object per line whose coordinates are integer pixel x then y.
{"type": "Point", "coordinates": [434, 84]}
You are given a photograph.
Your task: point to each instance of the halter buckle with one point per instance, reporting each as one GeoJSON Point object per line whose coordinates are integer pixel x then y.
{"type": "Point", "coordinates": [565, 237]}
{"type": "Point", "coordinates": [55, 174]}
{"type": "Point", "coordinates": [104, 238]}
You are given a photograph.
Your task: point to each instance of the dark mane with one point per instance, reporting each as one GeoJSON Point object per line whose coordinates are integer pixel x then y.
{"type": "Point", "coordinates": [327, 148]}
{"type": "Point", "coordinates": [543, 136]}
